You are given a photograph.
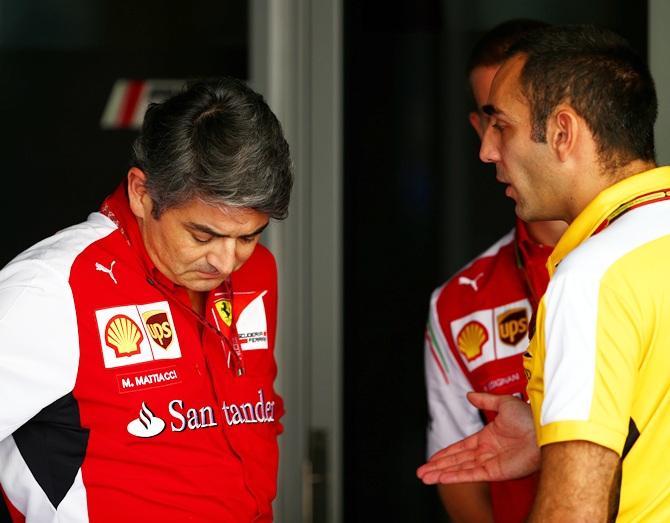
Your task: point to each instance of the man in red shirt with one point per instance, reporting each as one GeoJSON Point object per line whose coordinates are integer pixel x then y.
{"type": "Point", "coordinates": [146, 393]}
{"type": "Point", "coordinates": [478, 323]}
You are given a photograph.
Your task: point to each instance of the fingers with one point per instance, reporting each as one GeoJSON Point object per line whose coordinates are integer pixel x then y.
{"type": "Point", "coordinates": [455, 476]}
{"type": "Point", "coordinates": [465, 466]}
{"type": "Point", "coordinates": [485, 401]}
{"type": "Point", "coordinates": [465, 444]}
{"type": "Point", "coordinates": [443, 461]}
{"type": "Point", "coordinates": [453, 467]}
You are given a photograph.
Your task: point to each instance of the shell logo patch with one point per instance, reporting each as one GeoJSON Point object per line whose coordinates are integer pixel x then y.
{"type": "Point", "coordinates": [159, 327]}
{"type": "Point", "coordinates": [471, 340]}
{"type": "Point", "coordinates": [134, 334]}
{"type": "Point", "coordinates": [487, 335]}
{"type": "Point", "coordinates": [513, 325]}
{"type": "Point", "coordinates": [225, 310]}
{"type": "Point", "coordinates": [123, 336]}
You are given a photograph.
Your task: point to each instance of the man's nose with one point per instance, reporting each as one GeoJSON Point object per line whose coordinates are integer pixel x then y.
{"type": "Point", "coordinates": [488, 151]}
{"type": "Point", "coordinates": [223, 256]}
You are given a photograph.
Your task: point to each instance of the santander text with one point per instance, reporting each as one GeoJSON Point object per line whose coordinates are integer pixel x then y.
{"type": "Point", "coordinates": [190, 418]}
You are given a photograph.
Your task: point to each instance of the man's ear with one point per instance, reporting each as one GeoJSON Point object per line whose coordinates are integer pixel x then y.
{"type": "Point", "coordinates": [563, 132]}
{"type": "Point", "coordinates": [476, 123]}
{"type": "Point", "coordinates": [140, 201]}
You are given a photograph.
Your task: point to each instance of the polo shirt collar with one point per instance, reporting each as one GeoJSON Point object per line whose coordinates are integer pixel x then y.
{"type": "Point", "coordinates": [117, 208]}
{"type": "Point", "coordinates": [603, 205]}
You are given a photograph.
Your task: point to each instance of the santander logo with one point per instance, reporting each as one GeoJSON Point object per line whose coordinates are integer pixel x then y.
{"type": "Point", "coordinates": [147, 424]}
{"type": "Point", "coordinates": [183, 417]}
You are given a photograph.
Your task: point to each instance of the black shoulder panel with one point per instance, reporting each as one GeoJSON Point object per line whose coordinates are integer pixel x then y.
{"type": "Point", "coordinates": [53, 444]}
{"type": "Point", "coordinates": [4, 511]}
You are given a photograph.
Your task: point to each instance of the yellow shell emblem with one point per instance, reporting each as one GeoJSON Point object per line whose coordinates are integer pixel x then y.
{"type": "Point", "coordinates": [471, 340]}
{"type": "Point", "coordinates": [123, 335]}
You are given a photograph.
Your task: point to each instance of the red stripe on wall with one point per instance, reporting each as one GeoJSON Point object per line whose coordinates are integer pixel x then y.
{"type": "Point", "coordinates": [129, 103]}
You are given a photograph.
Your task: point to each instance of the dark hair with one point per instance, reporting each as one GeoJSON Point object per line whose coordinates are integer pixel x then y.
{"type": "Point", "coordinates": [491, 48]}
{"type": "Point", "coordinates": [604, 81]}
{"type": "Point", "coordinates": [217, 140]}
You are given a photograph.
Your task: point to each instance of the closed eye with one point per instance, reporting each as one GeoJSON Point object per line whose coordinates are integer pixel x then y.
{"type": "Point", "coordinates": [201, 239]}
{"type": "Point", "coordinates": [248, 239]}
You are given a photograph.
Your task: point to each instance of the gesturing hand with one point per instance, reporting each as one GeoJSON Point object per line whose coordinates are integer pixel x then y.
{"type": "Point", "coordinates": [504, 449]}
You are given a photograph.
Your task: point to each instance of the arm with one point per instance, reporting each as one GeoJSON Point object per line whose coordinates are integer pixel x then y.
{"type": "Point", "coordinates": [37, 365]}
{"type": "Point", "coordinates": [467, 502]}
{"type": "Point", "coordinates": [504, 449]}
{"type": "Point", "coordinates": [576, 483]}
{"type": "Point", "coordinates": [452, 419]}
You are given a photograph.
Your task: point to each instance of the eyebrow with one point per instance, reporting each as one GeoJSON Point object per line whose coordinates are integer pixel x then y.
{"type": "Point", "coordinates": [212, 232]}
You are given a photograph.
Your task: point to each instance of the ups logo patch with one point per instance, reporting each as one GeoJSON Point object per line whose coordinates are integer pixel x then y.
{"type": "Point", "coordinates": [159, 327]}
{"type": "Point", "coordinates": [513, 325]}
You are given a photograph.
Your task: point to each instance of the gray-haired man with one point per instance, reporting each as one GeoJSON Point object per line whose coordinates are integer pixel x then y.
{"type": "Point", "coordinates": [148, 393]}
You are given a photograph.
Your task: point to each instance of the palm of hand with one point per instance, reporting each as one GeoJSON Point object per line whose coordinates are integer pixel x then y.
{"type": "Point", "coordinates": [504, 449]}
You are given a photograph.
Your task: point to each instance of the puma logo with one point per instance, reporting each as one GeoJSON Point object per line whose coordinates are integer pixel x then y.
{"type": "Point", "coordinates": [102, 268]}
{"type": "Point", "coordinates": [464, 280]}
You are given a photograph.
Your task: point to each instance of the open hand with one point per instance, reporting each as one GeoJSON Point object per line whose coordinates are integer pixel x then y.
{"type": "Point", "coordinates": [504, 449]}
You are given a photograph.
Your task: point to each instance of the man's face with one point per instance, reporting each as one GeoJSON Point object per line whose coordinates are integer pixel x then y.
{"type": "Point", "coordinates": [522, 164]}
{"type": "Point", "coordinates": [480, 83]}
{"type": "Point", "coordinates": [198, 245]}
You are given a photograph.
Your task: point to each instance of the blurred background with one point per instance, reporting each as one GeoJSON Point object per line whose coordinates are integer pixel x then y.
{"type": "Point", "coordinates": [390, 197]}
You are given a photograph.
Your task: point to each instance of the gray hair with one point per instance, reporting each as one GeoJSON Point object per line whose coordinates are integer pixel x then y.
{"type": "Point", "coordinates": [218, 141]}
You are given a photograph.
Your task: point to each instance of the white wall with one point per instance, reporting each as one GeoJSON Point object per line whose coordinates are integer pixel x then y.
{"type": "Point", "coordinates": [296, 64]}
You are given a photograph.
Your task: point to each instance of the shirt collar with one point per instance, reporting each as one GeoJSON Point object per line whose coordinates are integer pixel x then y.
{"type": "Point", "coordinates": [602, 206]}
{"type": "Point", "coordinates": [530, 250]}
{"type": "Point", "coordinates": [117, 208]}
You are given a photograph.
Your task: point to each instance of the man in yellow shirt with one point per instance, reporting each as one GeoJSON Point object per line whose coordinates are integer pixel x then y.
{"type": "Point", "coordinates": [571, 135]}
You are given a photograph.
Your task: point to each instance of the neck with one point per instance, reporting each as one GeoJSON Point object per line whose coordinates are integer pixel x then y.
{"type": "Point", "coordinates": [546, 233]}
{"type": "Point", "coordinates": [628, 170]}
{"type": "Point", "coordinates": [198, 300]}
{"type": "Point", "coordinates": [591, 186]}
